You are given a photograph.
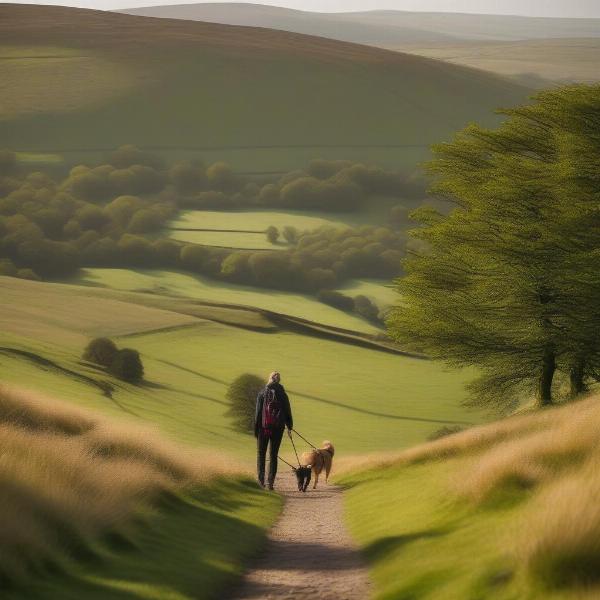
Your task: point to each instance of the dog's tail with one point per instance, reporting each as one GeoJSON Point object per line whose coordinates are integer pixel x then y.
{"type": "Point", "coordinates": [327, 445]}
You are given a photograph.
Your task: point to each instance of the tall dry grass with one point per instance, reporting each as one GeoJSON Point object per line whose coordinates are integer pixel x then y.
{"type": "Point", "coordinates": [550, 461]}
{"type": "Point", "coordinates": [70, 479]}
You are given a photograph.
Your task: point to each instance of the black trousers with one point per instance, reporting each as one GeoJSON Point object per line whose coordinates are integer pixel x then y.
{"type": "Point", "coordinates": [273, 441]}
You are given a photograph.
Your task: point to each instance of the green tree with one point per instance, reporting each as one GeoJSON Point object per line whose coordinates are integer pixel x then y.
{"type": "Point", "coordinates": [272, 234]}
{"type": "Point", "coordinates": [241, 395]}
{"type": "Point", "coordinates": [127, 365]}
{"type": "Point", "coordinates": [101, 351]}
{"type": "Point", "coordinates": [506, 281]}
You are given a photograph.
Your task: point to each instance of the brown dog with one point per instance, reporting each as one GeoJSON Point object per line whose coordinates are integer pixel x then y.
{"type": "Point", "coordinates": [319, 459]}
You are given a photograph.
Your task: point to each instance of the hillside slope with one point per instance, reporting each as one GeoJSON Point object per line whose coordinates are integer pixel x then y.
{"type": "Point", "coordinates": [333, 26]}
{"type": "Point", "coordinates": [379, 26]}
{"type": "Point", "coordinates": [79, 80]}
{"type": "Point", "coordinates": [537, 62]}
{"type": "Point", "coordinates": [502, 511]}
{"type": "Point", "coordinates": [537, 51]}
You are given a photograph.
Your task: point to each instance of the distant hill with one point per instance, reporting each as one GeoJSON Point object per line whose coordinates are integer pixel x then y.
{"type": "Point", "coordinates": [380, 28]}
{"type": "Point", "coordinates": [537, 62]}
{"type": "Point", "coordinates": [537, 51]}
{"type": "Point", "coordinates": [78, 80]}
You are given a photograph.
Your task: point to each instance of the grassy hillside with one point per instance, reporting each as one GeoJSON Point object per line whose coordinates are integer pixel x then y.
{"type": "Point", "coordinates": [534, 62]}
{"type": "Point", "coordinates": [535, 50]}
{"type": "Point", "coordinates": [378, 27]}
{"type": "Point", "coordinates": [389, 401]}
{"type": "Point", "coordinates": [172, 283]}
{"type": "Point", "coordinates": [508, 510]}
{"type": "Point", "coordinates": [481, 26]}
{"type": "Point", "coordinates": [97, 508]}
{"type": "Point", "coordinates": [207, 87]}
{"type": "Point", "coordinates": [332, 26]}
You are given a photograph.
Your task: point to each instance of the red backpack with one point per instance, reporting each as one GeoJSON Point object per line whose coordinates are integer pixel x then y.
{"type": "Point", "coordinates": [272, 413]}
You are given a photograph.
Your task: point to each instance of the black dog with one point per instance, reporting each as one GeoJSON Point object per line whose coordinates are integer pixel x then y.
{"type": "Point", "coordinates": [303, 475]}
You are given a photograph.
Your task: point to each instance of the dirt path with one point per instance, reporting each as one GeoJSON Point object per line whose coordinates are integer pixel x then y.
{"type": "Point", "coordinates": [309, 553]}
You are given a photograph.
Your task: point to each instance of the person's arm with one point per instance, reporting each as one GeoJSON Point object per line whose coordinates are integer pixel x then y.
{"type": "Point", "coordinates": [289, 421]}
{"type": "Point", "coordinates": [258, 412]}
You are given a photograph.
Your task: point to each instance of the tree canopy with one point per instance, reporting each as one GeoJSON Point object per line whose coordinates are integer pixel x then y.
{"type": "Point", "coordinates": [508, 279]}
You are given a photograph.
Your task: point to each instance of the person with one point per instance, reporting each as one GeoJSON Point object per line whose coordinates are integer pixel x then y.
{"type": "Point", "coordinates": [273, 414]}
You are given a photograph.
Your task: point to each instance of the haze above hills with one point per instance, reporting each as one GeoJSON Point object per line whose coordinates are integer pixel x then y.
{"type": "Point", "coordinates": [535, 50]}
{"type": "Point", "coordinates": [379, 26]}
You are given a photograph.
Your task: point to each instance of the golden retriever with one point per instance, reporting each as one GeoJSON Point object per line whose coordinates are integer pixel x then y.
{"type": "Point", "coordinates": [317, 460]}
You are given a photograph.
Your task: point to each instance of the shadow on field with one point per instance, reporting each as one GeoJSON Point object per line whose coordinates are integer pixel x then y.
{"type": "Point", "coordinates": [191, 549]}
{"type": "Point", "coordinates": [380, 548]}
{"type": "Point", "coordinates": [204, 376]}
{"type": "Point", "coordinates": [373, 413]}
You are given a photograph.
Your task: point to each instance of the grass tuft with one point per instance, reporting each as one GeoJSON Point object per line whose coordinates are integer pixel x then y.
{"type": "Point", "coordinates": [72, 482]}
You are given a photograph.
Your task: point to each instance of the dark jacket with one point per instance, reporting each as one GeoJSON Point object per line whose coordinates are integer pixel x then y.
{"type": "Point", "coordinates": [282, 397]}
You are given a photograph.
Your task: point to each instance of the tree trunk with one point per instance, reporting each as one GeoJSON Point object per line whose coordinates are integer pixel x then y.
{"type": "Point", "coordinates": [546, 376]}
{"type": "Point", "coordinates": [577, 379]}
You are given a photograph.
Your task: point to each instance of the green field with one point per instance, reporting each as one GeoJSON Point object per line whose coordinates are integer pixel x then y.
{"type": "Point", "coordinates": [245, 229]}
{"type": "Point", "coordinates": [366, 400]}
{"type": "Point", "coordinates": [203, 288]}
{"type": "Point", "coordinates": [207, 87]}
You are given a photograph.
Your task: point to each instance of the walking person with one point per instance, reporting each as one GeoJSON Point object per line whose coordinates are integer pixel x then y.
{"type": "Point", "coordinates": [273, 414]}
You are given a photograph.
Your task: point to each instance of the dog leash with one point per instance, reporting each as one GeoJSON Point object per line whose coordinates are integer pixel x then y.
{"type": "Point", "coordinates": [286, 462]}
{"type": "Point", "coordinates": [302, 437]}
{"type": "Point", "coordinates": [295, 451]}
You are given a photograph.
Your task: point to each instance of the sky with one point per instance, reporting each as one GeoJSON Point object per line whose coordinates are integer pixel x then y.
{"type": "Point", "coordinates": [538, 8]}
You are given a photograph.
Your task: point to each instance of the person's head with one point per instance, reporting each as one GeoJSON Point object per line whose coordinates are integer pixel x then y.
{"type": "Point", "coordinates": [274, 377]}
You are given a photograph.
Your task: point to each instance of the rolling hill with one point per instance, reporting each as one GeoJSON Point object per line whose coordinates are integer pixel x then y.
{"type": "Point", "coordinates": [537, 51]}
{"type": "Point", "coordinates": [536, 62]}
{"type": "Point", "coordinates": [505, 510]}
{"type": "Point", "coordinates": [77, 81]}
{"type": "Point", "coordinates": [379, 26]}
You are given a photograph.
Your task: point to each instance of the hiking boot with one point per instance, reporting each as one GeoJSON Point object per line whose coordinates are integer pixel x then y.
{"type": "Point", "coordinates": [261, 483]}
{"type": "Point", "coordinates": [271, 486]}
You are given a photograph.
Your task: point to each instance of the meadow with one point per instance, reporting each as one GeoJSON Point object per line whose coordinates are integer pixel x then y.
{"type": "Point", "coordinates": [500, 511]}
{"type": "Point", "coordinates": [392, 401]}
{"type": "Point", "coordinates": [111, 510]}
{"type": "Point", "coordinates": [172, 283]}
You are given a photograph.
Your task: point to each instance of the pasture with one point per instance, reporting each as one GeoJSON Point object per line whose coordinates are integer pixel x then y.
{"type": "Point", "coordinates": [183, 285]}
{"type": "Point", "coordinates": [366, 399]}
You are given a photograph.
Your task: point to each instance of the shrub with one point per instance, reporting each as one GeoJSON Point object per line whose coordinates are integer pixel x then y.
{"type": "Point", "coordinates": [101, 351]}
{"type": "Point", "coordinates": [290, 234]}
{"type": "Point", "coordinates": [272, 234]}
{"type": "Point", "coordinates": [29, 274]}
{"type": "Point", "coordinates": [335, 299]}
{"type": "Point", "coordinates": [365, 308]}
{"type": "Point", "coordinates": [127, 365]}
{"type": "Point", "coordinates": [129, 155]}
{"type": "Point", "coordinates": [188, 177]}
{"type": "Point", "coordinates": [194, 257]}
{"type": "Point", "coordinates": [220, 176]}
{"type": "Point", "coordinates": [241, 394]}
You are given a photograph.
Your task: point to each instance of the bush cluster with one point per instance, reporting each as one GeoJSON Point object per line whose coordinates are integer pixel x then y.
{"type": "Point", "coordinates": [361, 305]}
{"type": "Point", "coordinates": [99, 217]}
{"type": "Point", "coordinates": [123, 363]}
